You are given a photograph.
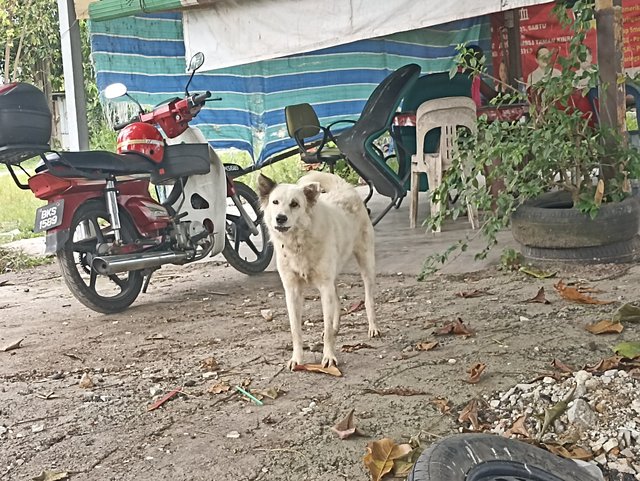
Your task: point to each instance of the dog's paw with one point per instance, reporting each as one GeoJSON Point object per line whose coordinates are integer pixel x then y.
{"type": "Point", "coordinates": [329, 360]}
{"type": "Point", "coordinates": [374, 332]}
{"type": "Point", "coordinates": [293, 362]}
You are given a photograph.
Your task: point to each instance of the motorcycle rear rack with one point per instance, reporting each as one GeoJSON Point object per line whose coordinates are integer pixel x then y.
{"type": "Point", "coordinates": [17, 153]}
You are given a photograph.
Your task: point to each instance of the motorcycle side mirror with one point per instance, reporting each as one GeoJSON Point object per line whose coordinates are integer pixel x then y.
{"type": "Point", "coordinates": [194, 64]}
{"type": "Point", "coordinates": [114, 91]}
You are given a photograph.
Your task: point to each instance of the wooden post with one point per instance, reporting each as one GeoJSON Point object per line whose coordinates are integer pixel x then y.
{"type": "Point", "coordinates": [512, 22]}
{"type": "Point", "coordinates": [608, 15]}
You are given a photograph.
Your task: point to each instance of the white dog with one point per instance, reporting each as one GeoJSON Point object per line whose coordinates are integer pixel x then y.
{"type": "Point", "coordinates": [316, 226]}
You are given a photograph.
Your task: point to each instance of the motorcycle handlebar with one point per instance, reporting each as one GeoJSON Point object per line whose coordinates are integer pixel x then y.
{"type": "Point", "coordinates": [200, 98]}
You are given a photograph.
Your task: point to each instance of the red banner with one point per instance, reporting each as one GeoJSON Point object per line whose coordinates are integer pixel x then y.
{"type": "Point", "coordinates": [542, 39]}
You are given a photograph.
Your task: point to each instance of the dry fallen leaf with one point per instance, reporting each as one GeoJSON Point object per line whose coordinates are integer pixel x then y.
{"type": "Point", "coordinates": [51, 476]}
{"type": "Point", "coordinates": [573, 294]}
{"type": "Point", "coordinates": [13, 345]}
{"type": "Point", "coordinates": [605, 327]}
{"type": "Point", "coordinates": [218, 388]}
{"type": "Point", "coordinates": [475, 372]}
{"type": "Point", "coordinates": [612, 362]}
{"type": "Point", "coordinates": [271, 392]}
{"type": "Point", "coordinates": [355, 306]}
{"type": "Point", "coordinates": [569, 452]}
{"type": "Point", "coordinates": [561, 366]}
{"type": "Point", "coordinates": [474, 293]}
{"type": "Point", "coordinates": [597, 198]}
{"type": "Point", "coordinates": [454, 327]}
{"type": "Point", "coordinates": [443, 405]}
{"type": "Point", "coordinates": [627, 313]}
{"type": "Point", "coordinates": [355, 347]}
{"type": "Point", "coordinates": [539, 297]}
{"type": "Point", "coordinates": [381, 454]}
{"type": "Point", "coordinates": [518, 428]}
{"type": "Point", "coordinates": [427, 345]}
{"type": "Point", "coordinates": [209, 364]}
{"type": "Point", "coordinates": [86, 382]}
{"type": "Point", "coordinates": [536, 273]}
{"type": "Point", "coordinates": [346, 427]}
{"type": "Point", "coordinates": [331, 370]}
{"type": "Point", "coordinates": [470, 414]}
{"type": "Point", "coordinates": [396, 391]}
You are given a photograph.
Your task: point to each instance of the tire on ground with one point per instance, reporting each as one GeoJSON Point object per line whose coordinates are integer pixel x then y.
{"type": "Point", "coordinates": [480, 457]}
{"type": "Point", "coordinates": [550, 222]}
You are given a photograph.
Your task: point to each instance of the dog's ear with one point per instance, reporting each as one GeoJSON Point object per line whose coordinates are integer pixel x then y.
{"type": "Point", "coordinates": [311, 192]}
{"type": "Point", "coordinates": [265, 186]}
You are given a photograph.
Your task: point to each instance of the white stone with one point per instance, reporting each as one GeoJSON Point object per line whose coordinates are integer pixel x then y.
{"type": "Point", "coordinates": [494, 403]}
{"type": "Point", "coordinates": [36, 428]}
{"type": "Point", "coordinates": [233, 435]}
{"type": "Point", "coordinates": [610, 444]}
{"type": "Point", "coordinates": [548, 380]}
{"type": "Point", "coordinates": [580, 413]}
{"type": "Point", "coordinates": [622, 466]}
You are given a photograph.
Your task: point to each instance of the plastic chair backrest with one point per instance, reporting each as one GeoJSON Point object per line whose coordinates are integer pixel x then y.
{"type": "Point", "coordinates": [446, 114]}
{"type": "Point", "coordinates": [435, 86]}
{"type": "Point", "coordinates": [357, 142]}
{"type": "Point", "coordinates": [302, 115]}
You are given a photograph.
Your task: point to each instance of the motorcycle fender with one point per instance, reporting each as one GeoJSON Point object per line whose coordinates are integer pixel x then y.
{"type": "Point", "coordinates": [55, 241]}
{"type": "Point", "coordinates": [210, 187]}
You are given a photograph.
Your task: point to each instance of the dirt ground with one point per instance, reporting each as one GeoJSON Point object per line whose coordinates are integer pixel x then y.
{"type": "Point", "coordinates": [190, 314]}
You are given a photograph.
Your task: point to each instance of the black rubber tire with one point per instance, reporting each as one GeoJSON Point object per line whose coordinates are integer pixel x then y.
{"type": "Point", "coordinates": [625, 251]}
{"type": "Point", "coordinates": [83, 292]}
{"type": "Point", "coordinates": [486, 457]}
{"type": "Point", "coordinates": [233, 257]}
{"type": "Point", "coordinates": [550, 221]}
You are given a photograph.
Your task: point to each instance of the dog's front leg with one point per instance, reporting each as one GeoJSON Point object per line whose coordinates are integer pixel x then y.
{"type": "Point", "coordinates": [294, 299]}
{"type": "Point", "coordinates": [331, 316]}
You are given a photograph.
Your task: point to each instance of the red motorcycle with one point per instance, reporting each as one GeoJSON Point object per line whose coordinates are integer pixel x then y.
{"type": "Point", "coordinates": [109, 233]}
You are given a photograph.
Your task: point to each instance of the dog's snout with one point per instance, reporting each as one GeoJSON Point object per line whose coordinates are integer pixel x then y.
{"type": "Point", "coordinates": [281, 218]}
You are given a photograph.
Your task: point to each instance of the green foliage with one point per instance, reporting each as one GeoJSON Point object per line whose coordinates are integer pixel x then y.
{"type": "Point", "coordinates": [554, 148]}
{"type": "Point", "coordinates": [511, 260]}
{"type": "Point", "coordinates": [30, 38]}
{"type": "Point", "coordinates": [12, 260]}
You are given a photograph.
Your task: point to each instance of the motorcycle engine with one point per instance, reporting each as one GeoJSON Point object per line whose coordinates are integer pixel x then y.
{"type": "Point", "coordinates": [190, 235]}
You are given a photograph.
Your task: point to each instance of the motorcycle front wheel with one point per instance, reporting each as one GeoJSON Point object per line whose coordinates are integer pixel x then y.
{"type": "Point", "coordinates": [90, 228]}
{"type": "Point", "coordinates": [246, 252]}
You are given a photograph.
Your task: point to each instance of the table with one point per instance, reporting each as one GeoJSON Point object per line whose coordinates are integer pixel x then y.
{"type": "Point", "coordinates": [511, 112]}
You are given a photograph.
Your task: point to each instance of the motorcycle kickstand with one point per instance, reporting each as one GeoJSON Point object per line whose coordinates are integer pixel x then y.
{"type": "Point", "coordinates": [147, 273]}
{"type": "Point", "coordinates": [250, 223]}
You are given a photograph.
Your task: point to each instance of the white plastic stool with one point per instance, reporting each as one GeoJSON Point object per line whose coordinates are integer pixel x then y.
{"type": "Point", "coordinates": [447, 114]}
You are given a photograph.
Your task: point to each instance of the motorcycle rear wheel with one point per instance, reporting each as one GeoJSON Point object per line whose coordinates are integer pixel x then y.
{"type": "Point", "coordinates": [89, 228]}
{"type": "Point", "coordinates": [247, 253]}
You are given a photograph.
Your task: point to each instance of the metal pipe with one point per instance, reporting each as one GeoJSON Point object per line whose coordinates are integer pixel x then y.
{"type": "Point", "coordinates": [106, 265]}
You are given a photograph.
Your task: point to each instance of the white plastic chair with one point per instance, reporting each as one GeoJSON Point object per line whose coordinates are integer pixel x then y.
{"type": "Point", "coordinates": [447, 114]}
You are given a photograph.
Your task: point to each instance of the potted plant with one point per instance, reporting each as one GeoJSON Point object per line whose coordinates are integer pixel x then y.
{"type": "Point", "coordinates": [564, 178]}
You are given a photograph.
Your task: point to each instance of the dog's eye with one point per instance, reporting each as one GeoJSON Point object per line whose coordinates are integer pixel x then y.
{"type": "Point", "coordinates": [275, 202]}
{"type": "Point", "coordinates": [294, 204]}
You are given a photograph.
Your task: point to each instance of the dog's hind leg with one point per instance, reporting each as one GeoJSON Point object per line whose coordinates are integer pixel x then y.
{"type": "Point", "coordinates": [367, 264]}
{"type": "Point", "coordinates": [330, 311]}
{"type": "Point", "coordinates": [294, 299]}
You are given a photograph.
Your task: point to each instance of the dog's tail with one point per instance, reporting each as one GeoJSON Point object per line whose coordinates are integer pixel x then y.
{"type": "Point", "coordinates": [328, 182]}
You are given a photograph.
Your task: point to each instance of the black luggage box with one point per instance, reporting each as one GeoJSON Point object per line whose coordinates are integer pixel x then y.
{"type": "Point", "coordinates": [25, 120]}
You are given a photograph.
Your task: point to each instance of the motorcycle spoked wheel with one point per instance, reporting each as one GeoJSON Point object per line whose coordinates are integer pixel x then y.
{"type": "Point", "coordinates": [89, 228]}
{"type": "Point", "coordinates": [247, 253]}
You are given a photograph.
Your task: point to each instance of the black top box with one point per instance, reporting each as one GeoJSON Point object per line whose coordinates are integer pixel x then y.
{"type": "Point", "coordinates": [25, 118]}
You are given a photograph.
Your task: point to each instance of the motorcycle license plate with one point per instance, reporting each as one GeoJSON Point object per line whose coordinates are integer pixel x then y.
{"type": "Point", "coordinates": [49, 216]}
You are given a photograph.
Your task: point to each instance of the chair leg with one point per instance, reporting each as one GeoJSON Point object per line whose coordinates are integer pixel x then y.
{"type": "Point", "coordinates": [370, 194]}
{"type": "Point", "coordinates": [386, 209]}
{"type": "Point", "coordinates": [413, 207]}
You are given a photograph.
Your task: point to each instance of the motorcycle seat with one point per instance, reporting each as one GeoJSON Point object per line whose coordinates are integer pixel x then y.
{"type": "Point", "coordinates": [100, 162]}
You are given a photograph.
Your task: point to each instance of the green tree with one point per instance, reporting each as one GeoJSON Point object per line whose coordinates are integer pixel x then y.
{"type": "Point", "coordinates": [31, 40]}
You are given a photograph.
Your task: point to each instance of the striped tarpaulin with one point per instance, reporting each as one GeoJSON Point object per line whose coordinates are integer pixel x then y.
{"type": "Point", "coordinates": [146, 53]}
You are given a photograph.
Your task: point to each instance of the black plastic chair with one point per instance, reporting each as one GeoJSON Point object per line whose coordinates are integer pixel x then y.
{"type": "Point", "coordinates": [357, 143]}
{"type": "Point", "coordinates": [304, 127]}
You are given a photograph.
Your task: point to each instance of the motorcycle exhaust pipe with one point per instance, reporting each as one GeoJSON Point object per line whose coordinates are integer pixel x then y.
{"type": "Point", "coordinates": [133, 262]}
